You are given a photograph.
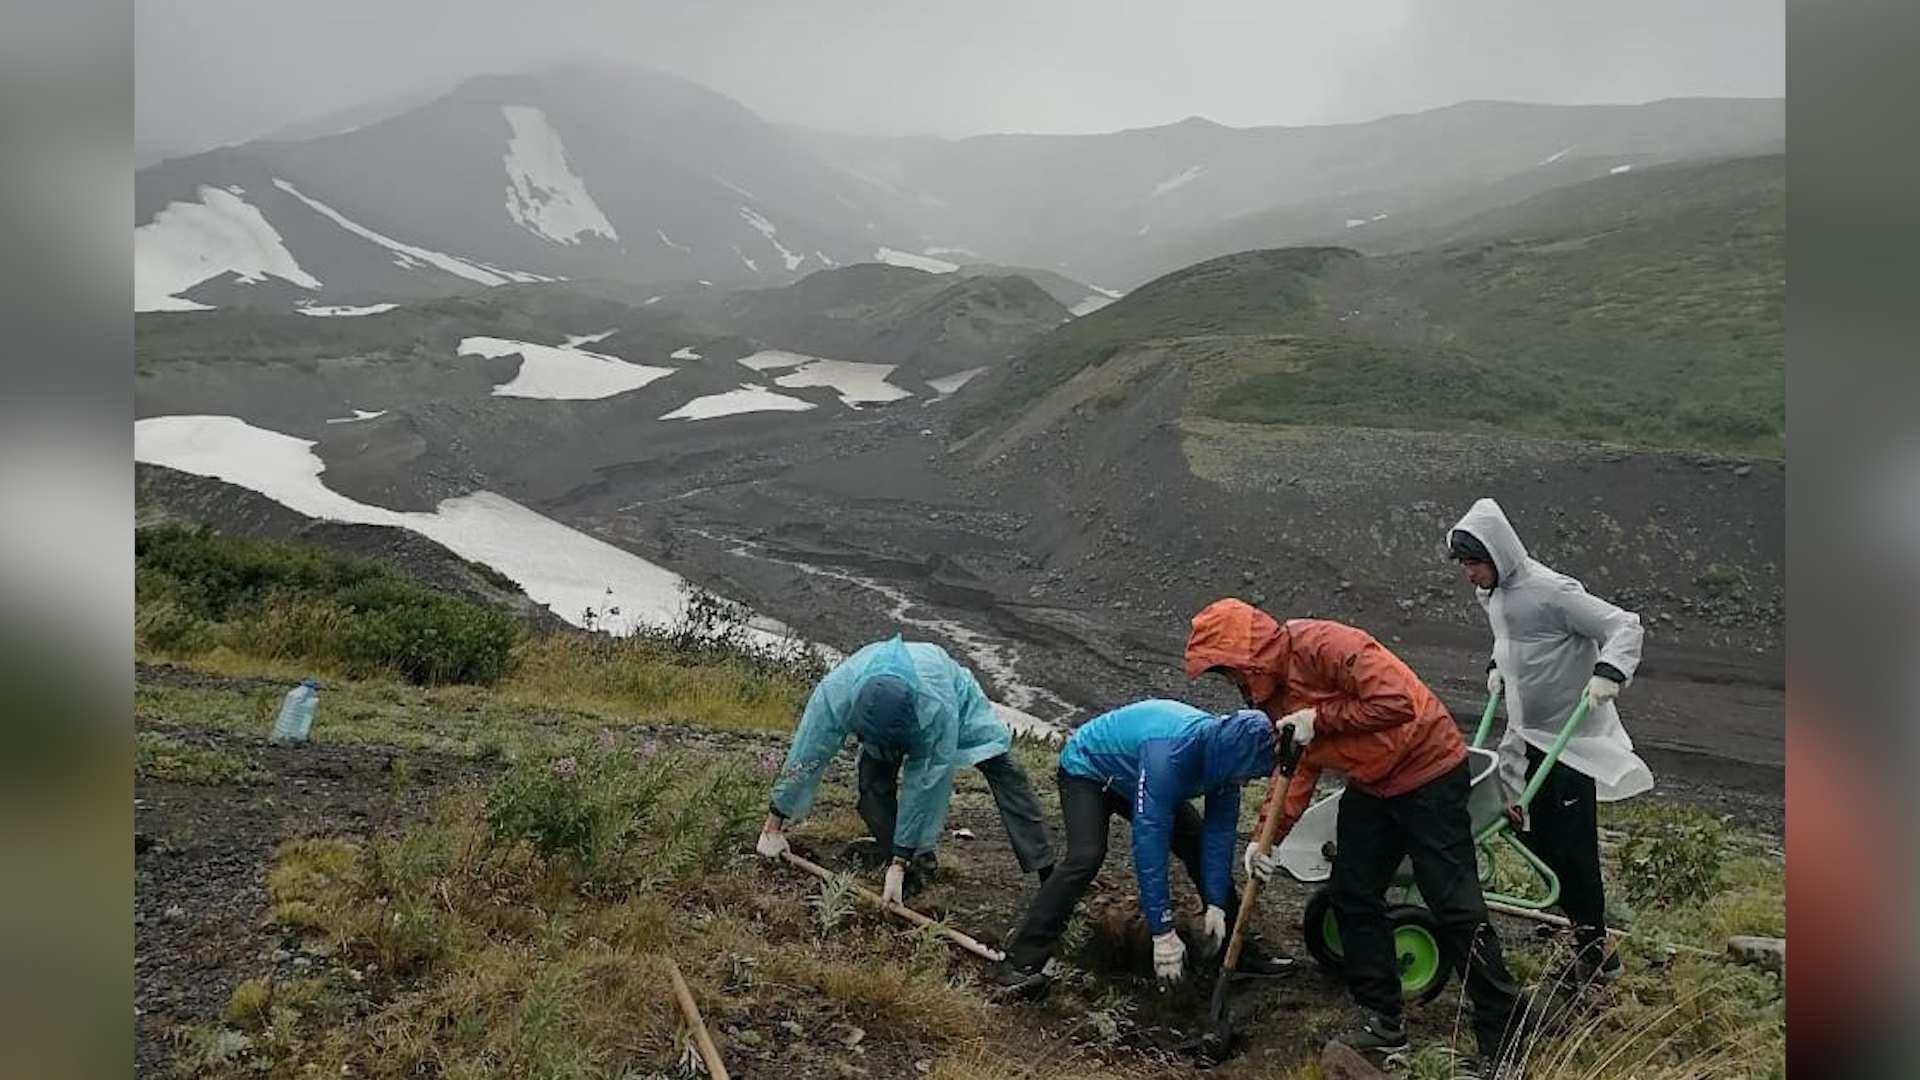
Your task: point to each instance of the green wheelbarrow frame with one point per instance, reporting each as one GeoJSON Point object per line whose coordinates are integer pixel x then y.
{"type": "Point", "coordinates": [1423, 972]}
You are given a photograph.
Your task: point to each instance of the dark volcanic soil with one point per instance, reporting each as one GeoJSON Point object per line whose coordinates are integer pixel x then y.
{"type": "Point", "coordinates": [1084, 551]}
{"type": "Point", "coordinates": [201, 854]}
{"type": "Point", "coordinates": [1065, 557]}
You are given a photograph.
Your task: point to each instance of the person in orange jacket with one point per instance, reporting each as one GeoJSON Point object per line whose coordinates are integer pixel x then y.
{"type": "Point", "coordinates": [1358, 709]}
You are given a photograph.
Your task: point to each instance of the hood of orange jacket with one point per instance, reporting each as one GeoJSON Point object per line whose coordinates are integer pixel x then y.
{"type": "Point", "coordinates": [1375, 720]}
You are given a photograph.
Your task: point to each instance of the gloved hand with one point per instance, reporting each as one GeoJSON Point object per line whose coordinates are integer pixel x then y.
{"type": "Point", "coordinates": [1302, 722]}
{"type": "Point", "coordinates": [1259, 866]}
{"type": "Point", "coordinates": [1601, 690]}
{"type": "Point", "coordinates": [1215, 925]}
{"type": "Point", "coordinates": [1169, 956]}
{"type": "Point", "coordinates": [896, 882]}
{"type": "Point", "coordinates": [773, 841]}
{"type": "Point", "coordinates": [1494, 681]}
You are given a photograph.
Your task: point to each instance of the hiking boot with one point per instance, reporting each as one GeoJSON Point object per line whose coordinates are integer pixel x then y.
{"type": "Point", "coordinates": [1026, 984]}
{"type": "Point", "coordinates": [1256, 960]}
{"type": "Point", "coordinates": [1592, 965]}
{"type": "Point", "coordinates": [1597, 965]}
{"type": "Point", "coordinates": [1378, 1034]}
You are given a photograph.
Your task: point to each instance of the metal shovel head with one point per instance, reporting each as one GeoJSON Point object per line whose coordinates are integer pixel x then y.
{"type": "Point", "coordinates": [1217, 1044]}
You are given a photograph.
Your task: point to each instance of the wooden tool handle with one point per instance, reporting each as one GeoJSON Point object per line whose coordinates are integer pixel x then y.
{"type": "Point", "coordinates": [702, 1039]}
{"type": "Point", "coordinates": [1276, 794]}
{"type": "Point", "coordinates": [900, 911]}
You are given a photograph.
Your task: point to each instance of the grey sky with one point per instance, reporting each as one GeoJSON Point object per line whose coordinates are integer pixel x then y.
{"type": "Point", "coordinates": [214, 71]}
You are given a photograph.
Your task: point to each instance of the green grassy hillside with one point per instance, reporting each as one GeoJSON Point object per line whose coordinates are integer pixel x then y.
{"type": "Point", "coordinates": [1647, 308]}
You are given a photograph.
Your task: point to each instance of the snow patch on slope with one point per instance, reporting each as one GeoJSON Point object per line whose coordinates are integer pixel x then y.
{"type": "Point", "coordinates": [188, 242]}
{"type": "Point", "coordinates": [774, 359]}
{"type": "Point", "coordinates": [1178, 180]}
{"type": "Point", "coordinates": [562, 372]}
{"type": "Point", "coordinates": [918, 262]}
{"type": "Point", "coordinates": [358, 415]}
{"type": "Point", "coordinates": [408, 255]}
{"type": "Point", "coordinates": [857, 383]}
{"type": "Point", "coordinates": [563, 568]}
{"type": "Point", "coordinates": [344, 310]}
{"type": "Point", "coordinates": [766, 228]}
{"type": "Point", "coordinates": [1088, 305]}
{"type": "Point", "coordinates": [747, 399]}
{"type": "Point", "coordinates": [947, 384]}
{"type": "Point", "coordinates": [544, 194]}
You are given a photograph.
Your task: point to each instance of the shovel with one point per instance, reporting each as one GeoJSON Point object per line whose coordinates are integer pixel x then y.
{"type": "Point", "coordinates": [1218, 1042]}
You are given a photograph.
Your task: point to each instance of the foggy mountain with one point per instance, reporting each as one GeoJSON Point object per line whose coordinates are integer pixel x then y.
{"type": "Point", "coordinates": [626, 174]}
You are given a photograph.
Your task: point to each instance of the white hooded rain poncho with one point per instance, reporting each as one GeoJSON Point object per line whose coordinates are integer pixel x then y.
{"type": "Point", "coordinates": [1548, 633]}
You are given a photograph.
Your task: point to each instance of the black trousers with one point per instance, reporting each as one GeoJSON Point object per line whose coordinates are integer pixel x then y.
{"type": "Point", "coordinates": [1429, 825]}
{"type": "Point", "coordinates": [1563, 828]}
{"type": "Point", "coordinates": [1086, 808]}
{"type": "Point", "coordinates": [1013, 795]}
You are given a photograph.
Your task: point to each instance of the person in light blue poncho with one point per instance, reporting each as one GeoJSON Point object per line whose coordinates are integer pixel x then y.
{"type": "Point", "coordinates": [918, 716]}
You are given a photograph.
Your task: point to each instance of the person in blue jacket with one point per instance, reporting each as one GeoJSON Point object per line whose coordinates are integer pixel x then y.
{"type": "Point", "coordinates": [1144, 761]}
{"type": "Point", "coordinates": [918, 716]}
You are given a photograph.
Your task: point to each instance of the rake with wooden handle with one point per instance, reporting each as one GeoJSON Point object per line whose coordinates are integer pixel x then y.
{"type": "Point", "coordinates": [702, 1039]}
{"type": "Point", "coordinates": [900, 911]}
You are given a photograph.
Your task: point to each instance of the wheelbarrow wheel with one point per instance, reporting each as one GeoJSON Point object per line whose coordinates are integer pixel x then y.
{"type": "Point", "coordinates": [1322, 930]}
{"type": "Point", "coordinates": [1417, 953]}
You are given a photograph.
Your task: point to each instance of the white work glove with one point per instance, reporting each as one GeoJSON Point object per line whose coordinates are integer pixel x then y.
{"type": "Point", "coordinates": [1259, 865]}
{"type": "Point", "coordinates": [1215, 925]}
{"type": "Point", "coordinates": [1494, 682]}
{"type": "Point", "coordinates": [1302, 722]}
{"type": "Point", "coordinates": [1169, 956]}
{"type": "Point", "coordinates": [896, 882]}
{"type": "Point", "coordinates": [1601, 690]}
{"type": "Point", "coordinates": [772, 843]}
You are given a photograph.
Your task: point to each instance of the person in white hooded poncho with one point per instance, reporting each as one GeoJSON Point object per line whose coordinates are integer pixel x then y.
{"type": "Point", "coordinates": [1552, 643]}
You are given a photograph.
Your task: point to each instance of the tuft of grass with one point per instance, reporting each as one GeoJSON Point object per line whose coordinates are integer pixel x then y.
{"type": "Point", "coordinates": [247, 1005]}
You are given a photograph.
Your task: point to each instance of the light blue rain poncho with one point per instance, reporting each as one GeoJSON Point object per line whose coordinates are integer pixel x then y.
{"type": "Point", "coordinates": [1548, 632]}
{"type": "Point", "coordinates": [953, 726]}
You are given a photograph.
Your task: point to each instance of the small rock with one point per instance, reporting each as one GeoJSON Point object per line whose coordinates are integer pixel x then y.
{"type": "Point", "coordinates": [1338, 1061]}
{"type": "Point", "coordinates": [175, 911]}
{"type": "Point", "coordinates": [1766, 952]}
{"type": "Point", "coordinates": [1246, 577]}
{"type": "Point", "coordinates": [1743, 470]}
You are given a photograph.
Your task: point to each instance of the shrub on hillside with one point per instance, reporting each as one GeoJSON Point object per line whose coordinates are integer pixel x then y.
{"type": "Point", "coordinates": [1673, 857]}
{"type": "Point", "coordinates": [196, 590]}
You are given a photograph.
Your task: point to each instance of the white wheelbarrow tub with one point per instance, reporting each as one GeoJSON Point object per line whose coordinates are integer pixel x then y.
{"type": "Point", "coordinates": [1303, 853]}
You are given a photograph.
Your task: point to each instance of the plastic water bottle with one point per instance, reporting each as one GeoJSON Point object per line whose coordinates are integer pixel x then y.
{"type": "Point", "coordinates": [296, 713]}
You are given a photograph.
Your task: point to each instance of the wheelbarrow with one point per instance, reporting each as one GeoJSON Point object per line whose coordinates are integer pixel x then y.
{"type": "Point", "coordinates": [1308, 852]}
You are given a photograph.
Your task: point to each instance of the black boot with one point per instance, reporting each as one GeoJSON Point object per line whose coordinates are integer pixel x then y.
{"type": "Point", "coordinates": [1013, 981]}
{"type": "Point", "coordinates": [1377, 1034]}
{"type": "Point", "coordinates": [1256, 960]}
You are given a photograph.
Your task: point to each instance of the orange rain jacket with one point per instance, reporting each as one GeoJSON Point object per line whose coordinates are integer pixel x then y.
{"type": "Point", "coordinates": [1374, 719]}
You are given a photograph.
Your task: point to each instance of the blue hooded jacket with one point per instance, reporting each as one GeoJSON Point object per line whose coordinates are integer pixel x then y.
{"type": "Point", "coordinates": [901, 699]}
{"type": "Point", "coordinates": [1162, 753]}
